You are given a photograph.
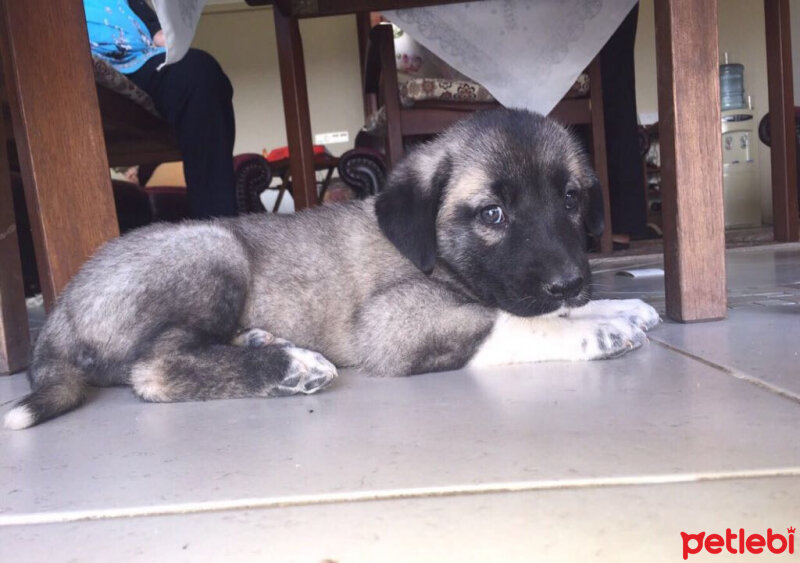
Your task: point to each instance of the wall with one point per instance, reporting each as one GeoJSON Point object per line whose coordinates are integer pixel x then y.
{"type": "Point", "coordinates": [243, 40]}
{"type": "Point", "coordinates": [742, 35]}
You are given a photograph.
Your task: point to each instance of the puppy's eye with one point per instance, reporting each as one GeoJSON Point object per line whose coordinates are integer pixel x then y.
{"type": "Point", "coordinates": [493, 215]}
{"type": "Point", "coordinates": [571, 200]}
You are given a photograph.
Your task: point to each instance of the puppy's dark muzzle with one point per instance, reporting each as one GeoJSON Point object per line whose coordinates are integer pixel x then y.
{"type": "Point", "coordinates": [565, 288]}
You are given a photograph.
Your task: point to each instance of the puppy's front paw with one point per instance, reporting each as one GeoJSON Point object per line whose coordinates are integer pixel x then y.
{"type": "Point", "coordinates": [638, 312]}
{"type": "Point", "coordinates": [308, 372]}
{"type": "Point", "coordinates": [613, 338]}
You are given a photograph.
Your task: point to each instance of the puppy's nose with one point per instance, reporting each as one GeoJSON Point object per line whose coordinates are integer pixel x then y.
{"type": "Point", "coordinates": [565, 288]}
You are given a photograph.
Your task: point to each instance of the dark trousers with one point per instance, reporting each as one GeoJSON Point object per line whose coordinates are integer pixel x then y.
{"type": "Point", "coordinates": [625, 176]}
{"type": "Point", "coordinates": [196, 98]}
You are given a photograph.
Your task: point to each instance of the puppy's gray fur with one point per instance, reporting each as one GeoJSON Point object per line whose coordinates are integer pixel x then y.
{"type": "Point", "coordinates": [420, 278]}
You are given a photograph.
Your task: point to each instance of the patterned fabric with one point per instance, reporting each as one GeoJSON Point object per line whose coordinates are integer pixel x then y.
{"type": "Point", "coordinates": [106, 75]}
{"type": "Point", "coordinates": [118, 35]}
{"type": "Point", "coordinates": [421, 89]}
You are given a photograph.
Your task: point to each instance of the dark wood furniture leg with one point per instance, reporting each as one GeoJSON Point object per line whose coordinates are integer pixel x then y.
{"type": "Point", "coordinates": [781, 120]}
{"type": "Point", "coordinates": [58, 133]}
{"type": "Point", "coordinates": [363, 26]}
{"type": "Point", "coordinates": [14, 337]}
{"type": "Point", "coordinates": [599, 151]}
{"type": "Point", "coordinates": [394, 134]}
{"type": "Point", "coordinates": [691, 155]}
{"type": "Point", "coordinates": [295, 107]}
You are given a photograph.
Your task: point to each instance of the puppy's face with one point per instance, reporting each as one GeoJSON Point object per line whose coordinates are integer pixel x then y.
{"type": "Point", "coordinates": [509, 197]}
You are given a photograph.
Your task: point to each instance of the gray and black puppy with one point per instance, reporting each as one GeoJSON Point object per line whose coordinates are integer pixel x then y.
{"type": "Point", "coordinates": [473, 255]}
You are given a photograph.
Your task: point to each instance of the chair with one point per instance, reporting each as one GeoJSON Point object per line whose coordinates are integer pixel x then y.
{"type": "Point", "coordinates": [363, 169]}
{"type": "Point", "coordinates": [765, 135]}
{"type": "Point", "coordinates": [134, 131]}
{"type": "Point", "coordinates": [398, 123]}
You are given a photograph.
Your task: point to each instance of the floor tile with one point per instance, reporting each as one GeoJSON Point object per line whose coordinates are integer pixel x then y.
{"type": "Point", "coordinates": [760, 274]}
{"type": "Point", "coordinates": [652, 412]}
{"type": "Point", "coordinates": [616, 524]}
{"type": "Point", "coordinates": [777, 266]}
{"type": "Point", "coordinates": [761, 340]}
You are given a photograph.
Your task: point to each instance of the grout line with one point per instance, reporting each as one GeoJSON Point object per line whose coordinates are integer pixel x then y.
{"type": "Point", "coordinates": [383, 495]}
{"type": "Point", "coordinates": [764, 385]}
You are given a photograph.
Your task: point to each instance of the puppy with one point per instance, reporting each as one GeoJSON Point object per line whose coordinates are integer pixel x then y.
{"type": "Point", "coordinates": [472, 255]}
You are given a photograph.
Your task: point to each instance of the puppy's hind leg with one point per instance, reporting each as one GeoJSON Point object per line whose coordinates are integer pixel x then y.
{"type": "Point", "coordinates": [183, 367]}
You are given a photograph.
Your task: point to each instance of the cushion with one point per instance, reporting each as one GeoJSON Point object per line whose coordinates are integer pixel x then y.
{"type": "Point", "coordinates": [420, 89]}
{"type": "Point", "coordinates": [424, 89]}
{"type": "Point", "coordinates": [109, 77]}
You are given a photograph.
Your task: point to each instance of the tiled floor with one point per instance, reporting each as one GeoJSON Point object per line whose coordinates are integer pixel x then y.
{"type": "Point", "coordinates": [608, 461]}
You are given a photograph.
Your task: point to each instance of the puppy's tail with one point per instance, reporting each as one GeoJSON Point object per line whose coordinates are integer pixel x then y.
{"type": "Point", "coordinates": [62, 391]}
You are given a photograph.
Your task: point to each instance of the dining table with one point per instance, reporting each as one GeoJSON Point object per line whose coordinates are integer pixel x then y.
{"type": "Point", "coordinates": [49, 89]}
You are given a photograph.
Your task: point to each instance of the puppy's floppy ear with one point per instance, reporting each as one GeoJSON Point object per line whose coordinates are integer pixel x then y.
{"type": "Point", "coordinates": [407, 209]}
{"type": "Point", "coordinates": [593, 219]}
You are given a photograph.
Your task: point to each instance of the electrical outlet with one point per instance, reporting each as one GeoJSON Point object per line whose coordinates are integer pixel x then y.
{"type": "Point", "coordinates": [331, 138]}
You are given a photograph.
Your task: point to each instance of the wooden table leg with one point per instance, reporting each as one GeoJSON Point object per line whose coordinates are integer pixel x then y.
{"type": "Point", "coordinates": [781, 120]}
{"type": "Point", "coordinates": [691, 159]}
{"type": "Point", "coordinates": [59, 138]}
{"type": "Point", "coordinates": [295, 107]}
{"type": "Point", "coordinates": [14, 336]}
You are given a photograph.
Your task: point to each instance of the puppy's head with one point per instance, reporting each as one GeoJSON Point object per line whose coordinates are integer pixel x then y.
{"type": "Point", "coordinates": [502, 200]}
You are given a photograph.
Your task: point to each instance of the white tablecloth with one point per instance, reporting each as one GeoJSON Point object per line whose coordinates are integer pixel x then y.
{"type": "Point", "coordinates": [527, 53]}
{"type": "Point", "coordinates": [178, 19]}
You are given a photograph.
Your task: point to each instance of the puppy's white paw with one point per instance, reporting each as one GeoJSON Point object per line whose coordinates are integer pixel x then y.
{"type": "Point", "coordinates": [635, 311]}
{"type": "Point", "coordinates": [610, 338]}
{"type": "Point", "coordinates": [577, 336]}
{"type": "Point", "coordinates": [308, 372]}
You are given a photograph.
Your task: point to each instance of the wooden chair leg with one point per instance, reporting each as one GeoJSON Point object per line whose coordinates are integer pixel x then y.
{"type": "Point", "coordinates": [59, 137]}
{"type": "Point", "coordinates": [295, 107]}
{"type": "Point", "coordinates": [14, 336]}
{"type": "Point", "coordinates": [363, 25]}
{"type": "Point", "coordinates": [599, 150]}
{"type": "Point", "coordinates": [691, 159]}
{"type": "Point", "coordinates": [781, 116]}
{"type": "Point", "coordinates": [391, 93]}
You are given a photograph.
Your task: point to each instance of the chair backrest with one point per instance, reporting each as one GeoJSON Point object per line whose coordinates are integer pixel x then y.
{"type": "Point", "coordinates": [398, 122]}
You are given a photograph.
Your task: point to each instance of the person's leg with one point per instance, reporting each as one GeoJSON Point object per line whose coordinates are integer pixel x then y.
{"type": "Point", "coordinates": [195, 96]}
{"type": "Point", "coordinates": [626, 183]}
